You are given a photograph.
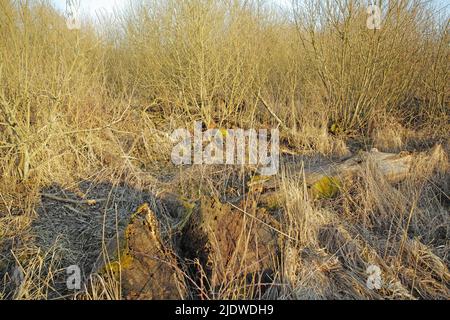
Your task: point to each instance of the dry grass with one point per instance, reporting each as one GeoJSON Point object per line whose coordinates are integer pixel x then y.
{"type": "Point", "coordinates": [371, 223]}
{"type": "Point", "coordinates": [88, 114]}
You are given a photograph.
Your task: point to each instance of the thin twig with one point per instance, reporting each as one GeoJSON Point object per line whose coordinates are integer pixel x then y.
{"type": "Point", "coordinates": [90, 202]}
{"type": "Point", "coordinates": [266, 105]}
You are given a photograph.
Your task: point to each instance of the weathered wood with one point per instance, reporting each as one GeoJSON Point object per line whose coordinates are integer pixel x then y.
{"type": "Point", "coordinates": [394, 167]}
{"type": "Point", "coordinates": [143, 260]}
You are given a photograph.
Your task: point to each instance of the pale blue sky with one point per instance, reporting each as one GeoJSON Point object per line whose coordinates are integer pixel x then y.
{"type": "Point", "coordinates": [93, 7]}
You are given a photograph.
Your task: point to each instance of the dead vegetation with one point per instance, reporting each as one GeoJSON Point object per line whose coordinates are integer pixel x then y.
{"type": "Point", "coordinates": [85, 123]}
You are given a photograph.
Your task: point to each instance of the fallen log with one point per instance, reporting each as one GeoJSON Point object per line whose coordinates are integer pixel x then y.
{"type": "Point", "coordinates": [326, 179]}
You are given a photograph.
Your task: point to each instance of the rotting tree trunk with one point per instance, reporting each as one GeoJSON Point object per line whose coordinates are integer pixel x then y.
{"type": "Point", "coordinates": [325, 180]}
{"type": "Point", "coordinates": [233, 247]}
{"type": "Point", "coordinates": [237, 248]}
{"type": "Point", "coordinates": [144, 261]}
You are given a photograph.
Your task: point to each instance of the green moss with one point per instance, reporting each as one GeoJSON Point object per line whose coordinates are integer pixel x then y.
{"type": "Point", "coordinates": [125, 259]}
{"type": "Point", "coordinates": [188, 207]}
{"type": "Point", "coordinates": [335, 129]}
{"type": "Point", "coordinates": [326, 188]}
{"type": "Point", "coordinates": [114, 267]}
{"type": "Point", "coordinates": [257, 180]}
